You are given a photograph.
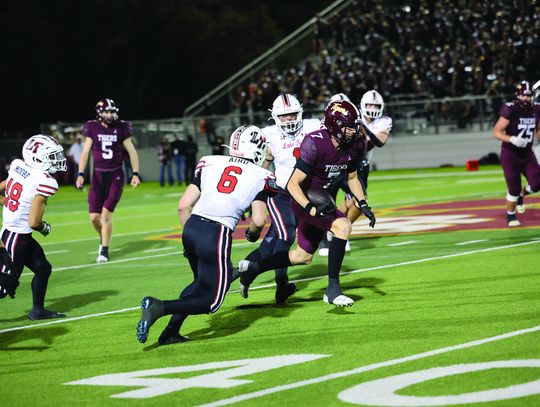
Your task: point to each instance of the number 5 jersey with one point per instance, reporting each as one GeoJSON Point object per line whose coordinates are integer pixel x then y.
{"type": "Point", "coordinates": [107, 146]}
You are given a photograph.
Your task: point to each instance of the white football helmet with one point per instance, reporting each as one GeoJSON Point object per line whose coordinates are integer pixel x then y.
{"type": "Point", "coordinates": [44, 153]}
{"type": "Point", "coordinates": [286, 104]}
{"type": "Point", "coordinates": [372, 97]}
{"type": "Point", "coordinates": [339, 97]}
{"type": "Point", "coordinates": [248, 142]}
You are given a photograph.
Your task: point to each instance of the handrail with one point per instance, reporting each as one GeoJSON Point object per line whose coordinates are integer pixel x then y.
{"type": "Point", "coordinates": [263, 59]}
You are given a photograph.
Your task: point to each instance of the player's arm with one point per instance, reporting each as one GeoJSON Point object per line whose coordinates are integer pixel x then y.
{"type": "Point", "coordinates": [268, 159]}
{"type": "Point", "coordinates": [359, 199]}
{"type": "Point", "coordinates": [258, 219]}
{"type": "Point", "coordinates": [85, 154]}
{"type": "Point", "coordinates": [134, 159]}
{"type": "Point", "coordinates": [293, 186]}
{"type": "Point", "coordinates": [499, 129]}
{"type": "Point", "coordinates": [35, 217]}
{"type": "Point", "coordinates": [188, 201]}
{"type": "Point", "coordinates": [2, 189]}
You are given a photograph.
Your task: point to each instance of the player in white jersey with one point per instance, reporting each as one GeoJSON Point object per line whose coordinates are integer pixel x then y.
{"type": "Point", "coordinates": [377, 127]}
{"type": "Point", "coordinates": [284, 138]}
{"type": "Point", "coordinates": [223, 188]}
{"type": "Point", "coordinates": [27, 188]}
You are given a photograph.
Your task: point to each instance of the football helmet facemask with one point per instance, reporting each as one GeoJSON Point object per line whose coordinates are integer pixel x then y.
{"type": "Point", "coordinates": [340, 116]}
{"type": "Point", "coordinates": [287, 104]}
{"type": "Point", "coordinates": [248, 142]}
{"type": "Point", "coordinates": [106, 105]}
{"type": "Point", "coordinates": [44, 153]}
{"type": "Point", "coordinates": [372, 104]}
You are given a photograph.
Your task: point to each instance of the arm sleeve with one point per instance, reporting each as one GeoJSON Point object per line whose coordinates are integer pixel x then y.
{"type": "Point", "coordinates": [47, 186]}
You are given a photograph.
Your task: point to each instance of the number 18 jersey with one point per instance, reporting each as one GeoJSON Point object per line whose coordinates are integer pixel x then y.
{"type": "Point", "coordinates": [22, 185]}
{"type": "Point", "coordinates": [228, 186]}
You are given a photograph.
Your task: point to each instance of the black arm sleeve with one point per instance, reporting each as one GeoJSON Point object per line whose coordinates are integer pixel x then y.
{"type": "Point", "coordinates": [197, 179]}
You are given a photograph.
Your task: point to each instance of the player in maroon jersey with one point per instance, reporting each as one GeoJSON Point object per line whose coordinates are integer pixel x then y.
{"type": "Point", "coordinates": [518, 124]}
{"type": "Point", "coordinates": [106, 137]}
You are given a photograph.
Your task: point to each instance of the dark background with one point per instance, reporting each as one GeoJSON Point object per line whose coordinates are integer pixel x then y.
{"type": "Point", "coordinates": [153, 58]}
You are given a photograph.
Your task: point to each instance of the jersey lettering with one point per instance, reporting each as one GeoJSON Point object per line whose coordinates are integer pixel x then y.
{"type": "Point", "coordinates": [228, 181]}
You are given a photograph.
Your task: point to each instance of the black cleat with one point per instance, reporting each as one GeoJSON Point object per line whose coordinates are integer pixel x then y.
{"type": "Point", "coordinates": [152, 309]}
{"type": "Point", "coordinates": [168, 337]}
{"type": "Point", "coordinates": [284, 291]}
{"type": "Point", "coordinates": [42, 313]}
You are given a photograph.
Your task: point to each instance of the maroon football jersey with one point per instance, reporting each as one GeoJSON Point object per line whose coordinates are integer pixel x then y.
{"type": "Point", "coordinates": [326, 161]}
{"type": "Point", "coordinates": [523, 122]}
{"type": "Point", "coordinates": [107, 147]}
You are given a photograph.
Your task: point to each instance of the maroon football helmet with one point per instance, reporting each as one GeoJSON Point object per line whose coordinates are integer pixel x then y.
{"type": "Point", "coordinates": [523, 91]}
{"type": "Point", "coordinates": [337, 117]}
{"type": "Point", "coordinates": [106, 105]}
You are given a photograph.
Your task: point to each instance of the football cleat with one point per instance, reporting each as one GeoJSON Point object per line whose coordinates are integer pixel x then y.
{"type": "Point", "coordinates": [512, 220]}
{"type": "Point", "coordinates": [152, 309]}
{"type": "Point", "coordinates": [336, 297]}
{"type": "Point", "coordinates": [347, 246]}
{"type": "Point", "coordinates": [42, 313]}
{"type": "Point", "coordinates": [103, 255]}
{"type": "Point", "coordinates": [520, 206]}
{"type": "Point", "coordinates": [324, 248]}
{"type": "Point", "coordinates": [284, 291]}
{"type": "Point", "coordinates": [243, 266]}
{"type": "Point", "coordinates": [169, 337]}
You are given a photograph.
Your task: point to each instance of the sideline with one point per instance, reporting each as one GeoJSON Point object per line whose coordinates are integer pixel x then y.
{"type": "Point", "coordinates": [385, 266]}
{"type": "Point", "coordinates": [367, 368]}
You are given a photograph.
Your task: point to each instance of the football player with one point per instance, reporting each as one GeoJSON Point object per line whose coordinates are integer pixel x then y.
{"type": "Point", "coordinates": [27, 188]}
{"type": "Point", "coordinates": [324, 155]}
{"type": "Point", "coordinates": [284, 138]}
{"type": "Point", "coordinates": [377, 127]}
{"type": "Point", "coordinates": [517, 126]}
{"type": "Point", "coordinates": [106, 137]}
{"type": "Point", "coordinates": [223, 188]}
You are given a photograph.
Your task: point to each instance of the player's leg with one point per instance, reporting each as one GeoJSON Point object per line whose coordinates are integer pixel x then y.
{"type": "Point", "coordinates": [341, 229]}
{"type": "Point", "coordinates": [15, 245]}
{"type": "Point", "coordinates": [112, 188]}
{"type": "Point", "coordinates": [95, 204]}
{"type": "Point", "coordinates": [40, 266]}
{"type": "Point", "coordinates": [284, 224]}
{"type": "Point", "coordinates": [532, 174]}
{"type": "Point", "coordinates": [512, 175]}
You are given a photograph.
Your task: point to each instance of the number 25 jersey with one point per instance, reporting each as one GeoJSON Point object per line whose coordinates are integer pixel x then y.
{"type": "Point", "coordinates": [22, 185]}
{"type": "Point", "coordinates": [228, 186]}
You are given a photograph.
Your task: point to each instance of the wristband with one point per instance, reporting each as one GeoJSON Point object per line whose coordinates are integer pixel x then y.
{"type": "Point", "coordinates": [362, 203]}
{"type": "Point", "coordinates": [308, 207]}
{"type": "Point", "coordinates": [134, 173]}
{"type": "Point", "coordinates": [81, 174]}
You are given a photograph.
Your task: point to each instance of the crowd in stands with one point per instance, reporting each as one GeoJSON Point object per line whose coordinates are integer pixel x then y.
{"type": "Point", "coordinates": [427, 49]}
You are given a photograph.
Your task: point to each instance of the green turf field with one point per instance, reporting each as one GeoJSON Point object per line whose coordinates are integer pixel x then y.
{"type": "Point", "coordinates": [447, 310]}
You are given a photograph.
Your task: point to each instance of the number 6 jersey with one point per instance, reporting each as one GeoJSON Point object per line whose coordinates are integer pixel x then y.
{"type": "Point", "coordinates": [22, 185]}
{"type": "Point", "coordinates": [107, 143]}
{"type": "Point", "coordinates": [228, 185]}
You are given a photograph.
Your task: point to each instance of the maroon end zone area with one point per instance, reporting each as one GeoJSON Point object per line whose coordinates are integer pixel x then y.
{"type": "Point", "coordinates": [494, 209]}
{"type": "Point", "coordinates": [491, 212]}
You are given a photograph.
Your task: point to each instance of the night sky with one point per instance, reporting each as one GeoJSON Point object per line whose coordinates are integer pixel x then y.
{"type": "Point", "coordinates": [153, 57]}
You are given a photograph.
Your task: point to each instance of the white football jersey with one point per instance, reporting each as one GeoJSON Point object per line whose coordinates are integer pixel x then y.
{"type": "Point", "coordinates": [285, 148]}
{"type": "Point", "coordinates": [376, 126]}
{"type": "Point", "coordinates": [228, 186]}
{"type": "Point", "coordinates": [22, 185]}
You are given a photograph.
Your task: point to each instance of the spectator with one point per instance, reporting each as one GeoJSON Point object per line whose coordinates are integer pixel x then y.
{"type": "Point", "coordinates": [74, 155]}
{"type": "Point", "coordinates": [191, 158]}
{"type": "Point", "coordinates": [164, 153]}
{"type": "Point", "coordinates": [179, 158]}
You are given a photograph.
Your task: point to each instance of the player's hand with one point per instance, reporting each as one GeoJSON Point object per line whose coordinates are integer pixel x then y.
{"type": "Point", "coordinates": [518, 141]}
{"type": "Point", "coordinates": [252, 236]}
{"type": "Point", "coordinates": [135, 180]}
{"type": "Point", "coordinates": [46, 229]}
{"type": "Point", "coordinates": [8, 285]}
{"type": "Point", "coordinates": [320, 210]}
{"type": "Point", "coordinates": [79, 183]}
{"type": "Point", "coordinates": [366, 210]}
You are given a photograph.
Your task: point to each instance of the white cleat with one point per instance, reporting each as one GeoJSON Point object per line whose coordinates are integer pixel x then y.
{"type": "Point", "coordinates": [520, 208]}
{"type": "Point", "coordinates": [514, 223]}
{"type": "Point", "coordinates": [324, 251]}
{"type": "Point", "coordinates": [347, 246]}
{"type": "Point", "coordinates": [243, 266]}
{"type": "Point", "coordinates": [102, 259]}
{"type": "Point", "coordinates": [340, 301]}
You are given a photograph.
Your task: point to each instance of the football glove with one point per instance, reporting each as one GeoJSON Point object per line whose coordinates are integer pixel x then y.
{"type": "Point", "coordinates": [46, 229]}
{"type": "Point", "coordinates": [518, 141]}
{"type": "Point", "coordinates": [252, 236]}
{"type": "Point", "coordinates": [366, 210]}
{"type": "Point", "coordinates": [321, 210]}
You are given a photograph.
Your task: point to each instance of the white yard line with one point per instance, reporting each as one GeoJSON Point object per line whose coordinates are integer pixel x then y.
{"type": "Point", "coordinates": [58, 251]}
{"type": "Point", "coordinates": [271, 285]}
{"type": "Point", "coordinates": [402, 243]}
{"type": "Point", "coordinates": [148, 232]}
{"type": "Point", "coordinates": [159, 250]}
{"type": "Point", "coordinates": [471, 242]}
{"type": "Point", "coordinates": [367, 368]}
{"type": "Point", "coordinates": [439, 175]}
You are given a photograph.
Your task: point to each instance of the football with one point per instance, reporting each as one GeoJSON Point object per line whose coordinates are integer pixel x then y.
{"type": "Point", "coordinates": [319, 196]}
